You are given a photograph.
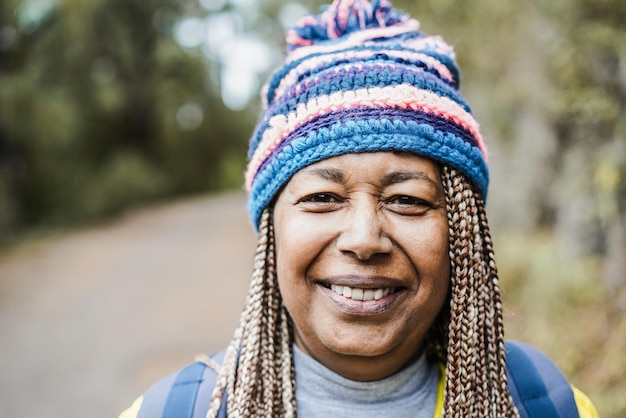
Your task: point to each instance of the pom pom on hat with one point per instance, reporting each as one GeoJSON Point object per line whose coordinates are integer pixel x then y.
{"type": "Point", "coordinates": [342, 18]}
{"type": "Point", "coordinates": [361, 77]}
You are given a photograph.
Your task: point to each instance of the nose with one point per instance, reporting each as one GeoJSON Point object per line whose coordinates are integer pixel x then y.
{"type": "Point", "coordinates": [363, 232]}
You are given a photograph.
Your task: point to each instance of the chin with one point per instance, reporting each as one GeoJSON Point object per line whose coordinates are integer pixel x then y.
{"type": "Point", "coordinates": [359, 348]}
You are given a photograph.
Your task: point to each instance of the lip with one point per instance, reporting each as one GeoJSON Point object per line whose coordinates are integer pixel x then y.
{"type": "Point", "coordinates": [363, 282]}
{"type": "Point", "coordinates": [362, 306]}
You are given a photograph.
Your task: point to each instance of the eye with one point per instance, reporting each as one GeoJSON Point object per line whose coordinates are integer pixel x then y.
{"type": "Point", "coordinates": [320, 202]}
{"type": "Point", "coordinates": [320, 198]}
{"type": "Point", "coordinates": [408, 205]}
{"type": "Point", "coordinates": [407, 200]}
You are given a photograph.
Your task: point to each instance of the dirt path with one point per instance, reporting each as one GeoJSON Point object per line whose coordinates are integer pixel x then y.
{"type": "Point", "coordinates": [90, 320]}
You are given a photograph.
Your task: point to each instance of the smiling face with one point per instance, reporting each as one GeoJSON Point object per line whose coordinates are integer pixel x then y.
{"type": "Point", "coordinates": [362, 259]}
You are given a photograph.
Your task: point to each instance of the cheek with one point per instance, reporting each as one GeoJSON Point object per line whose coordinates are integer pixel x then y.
{"type": "Point", "coordinates": [440, 255]}
{"type": "Point", "coordinates": [299, 239]}
{"type": "Point", "coordinates": [429, 255]}
{"type": "Point", "coordinates": [429, 249]}
{"type": "Point", "coordinates": [295, 252]}
{"type": "Point", "coordinates": [293, 242]}
{"type": "Point", "coordinates": [297, 245]}
{"type": "Point", "coordinates": [440, 268]}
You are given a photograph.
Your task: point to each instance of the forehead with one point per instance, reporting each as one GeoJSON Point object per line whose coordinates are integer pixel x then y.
{"type": "Point", "coordinates": [385, 167]}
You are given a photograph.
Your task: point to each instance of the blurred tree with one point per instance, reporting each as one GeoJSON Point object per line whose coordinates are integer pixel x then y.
{"type": "Point", "coordinates": [101, 109]}
{"type": "Point", "coordinates": [588, 116]}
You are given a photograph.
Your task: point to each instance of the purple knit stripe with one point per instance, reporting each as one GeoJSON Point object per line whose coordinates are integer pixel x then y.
{"type": "Point", "coordinates": [371, 74]}
{"type": "Point", "coordinates": [366, 113]}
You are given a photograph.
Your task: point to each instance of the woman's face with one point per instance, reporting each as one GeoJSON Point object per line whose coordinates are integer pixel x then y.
{"type": "Point", "coordinates": [362, 259]}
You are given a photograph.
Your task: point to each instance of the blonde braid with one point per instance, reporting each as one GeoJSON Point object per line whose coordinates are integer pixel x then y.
{"type": "Point", "coordinates": [253, 372]}
{"type": "Point", "coordinates": [476, 384]}
{"type": "Point", "coordinates": [494, 321]}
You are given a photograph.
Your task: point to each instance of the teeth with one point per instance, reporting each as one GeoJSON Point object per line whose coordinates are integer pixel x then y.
{"type": "Point", "coordinates": [361, 294]}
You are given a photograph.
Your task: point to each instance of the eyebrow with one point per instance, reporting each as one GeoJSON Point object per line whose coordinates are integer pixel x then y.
{"type": "Point", "coordinates": [331, 174]}
{"type": "Point", "coordinates": [402, 176]}
{"type": "Point", "coordinates": [337, 176]}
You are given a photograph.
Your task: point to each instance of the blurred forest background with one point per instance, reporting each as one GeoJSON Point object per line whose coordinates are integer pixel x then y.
{"type": "Point", "coordinates": [107, 105]}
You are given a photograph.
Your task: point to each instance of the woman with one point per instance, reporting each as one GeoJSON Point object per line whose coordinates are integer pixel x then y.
{"type": "Point", "coordinates": [375, 291]}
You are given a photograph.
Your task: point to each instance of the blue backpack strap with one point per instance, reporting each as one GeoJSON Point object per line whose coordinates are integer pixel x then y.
{"type": "Point", "coordinates": [181, 400]}
{"type": "Point", "coordinates": [185, 394]}
{"type": "Point", "coordinates": [537, 386]}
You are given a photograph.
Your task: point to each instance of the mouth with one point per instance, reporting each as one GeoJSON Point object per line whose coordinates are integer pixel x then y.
{"type": "Point", "coordinates": [360, 294]}
{"type": "Point", "coordinates": [362, 300]}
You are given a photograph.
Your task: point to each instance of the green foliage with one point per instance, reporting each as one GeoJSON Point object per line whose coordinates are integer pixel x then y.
{"type": "Point", "coordinates": [96, 104]}
{"type": "Point", "coordinates": [555, 302]}
{"type": "Point", "coordinates": [126, 179]}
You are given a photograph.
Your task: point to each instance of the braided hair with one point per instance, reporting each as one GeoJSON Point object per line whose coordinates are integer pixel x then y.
{"type": "Point", "coordinates": [476, 382]}
{"type": "Point", "coordinates": [467, 337]}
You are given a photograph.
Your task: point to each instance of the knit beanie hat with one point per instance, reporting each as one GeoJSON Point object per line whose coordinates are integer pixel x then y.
{"type": "Point", "coordinates": [361, 77]}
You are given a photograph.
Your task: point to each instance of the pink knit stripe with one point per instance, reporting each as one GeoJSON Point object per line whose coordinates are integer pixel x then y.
{"type": "Point", "coordinates": [290, 79]}
{"type": "Point", "coordinates": [399, 97]}
{"type": "Point", "coordinates": [354, 39]}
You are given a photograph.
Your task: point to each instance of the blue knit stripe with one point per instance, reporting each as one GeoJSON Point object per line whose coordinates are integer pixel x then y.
{"type": "Point", "coordinates": [379, 119]}
{"type": "Point", "coordinates": [365, 136]}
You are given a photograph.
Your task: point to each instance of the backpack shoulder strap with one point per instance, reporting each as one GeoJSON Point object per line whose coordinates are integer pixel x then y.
{"type": "Point", "coordinates": [537, 386]}
{"type": "Point", "coordinates": [181, 400]}
{"type": "Point", "coordinates": [184, 394]}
